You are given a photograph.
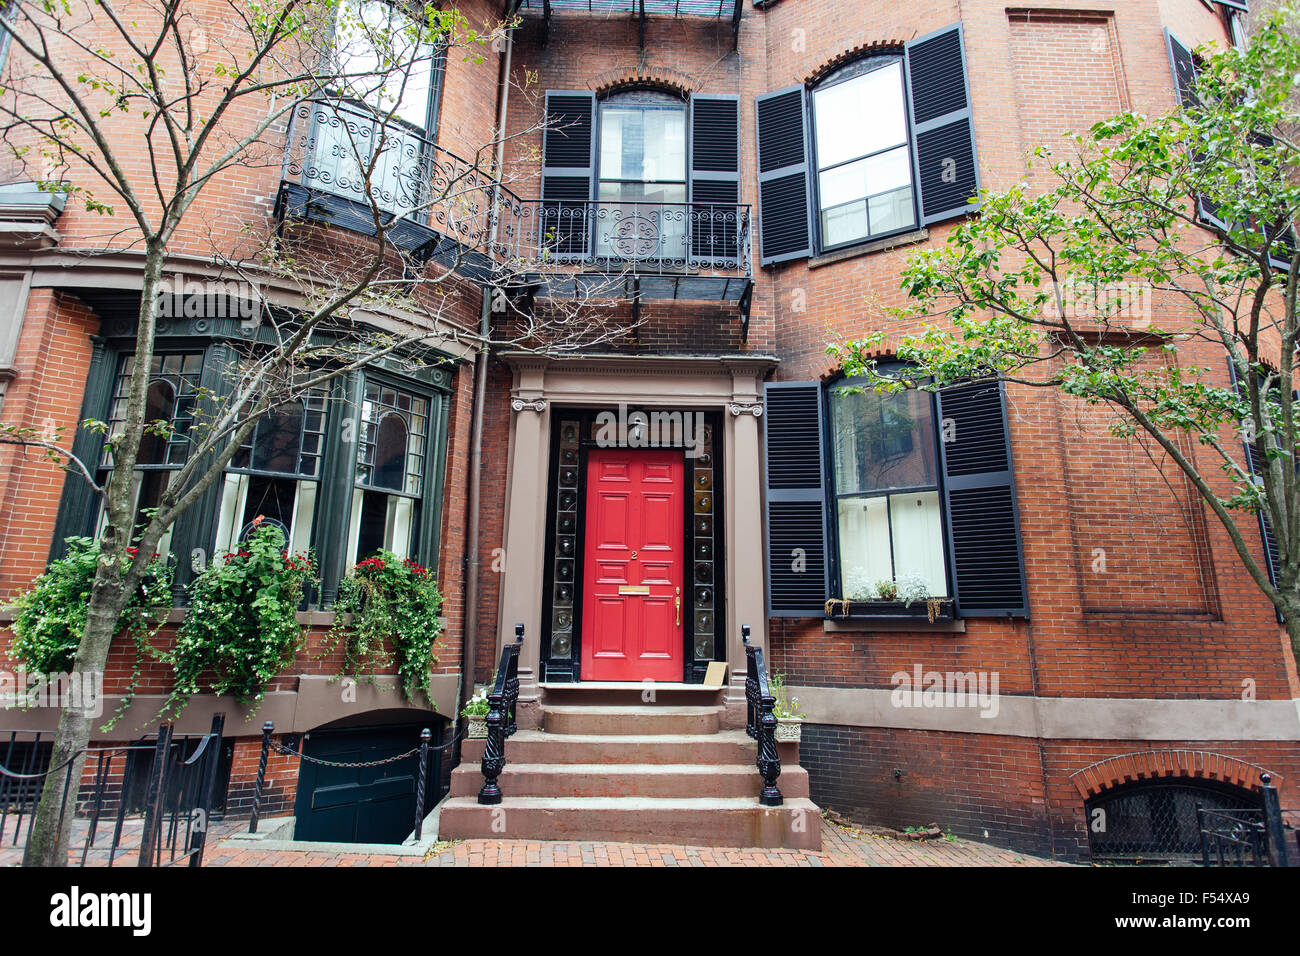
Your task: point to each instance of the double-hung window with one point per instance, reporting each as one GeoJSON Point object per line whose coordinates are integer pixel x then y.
{"type": "Point", "coordinates": [641, 184]}
{"type": "Point", "coordinates": [885, 470]}
{"type": "Point", "coordinates": [275, 476]}
{"type": "Point", "coordinates": [390, 473]}
{"type": "Point", "coordinates": [864, 161]}
{"type": "Point", "coordinates": [639, 174]}
{"type": "Point", "coordinates": [911, 490]}
{"type": "Point", "coordinates": [878, 147]}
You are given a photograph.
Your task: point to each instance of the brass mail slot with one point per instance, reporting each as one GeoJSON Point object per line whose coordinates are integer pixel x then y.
{"type": "Point", "coordinates": [634, 589]}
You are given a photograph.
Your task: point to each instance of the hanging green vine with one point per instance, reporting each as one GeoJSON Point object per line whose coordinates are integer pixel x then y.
{"type": "Point", "coordinates": [242, 623]}
{"type": "Point", "coordinates": [50, 617]}
{"type": "Point", "coordinates": [387, 598]}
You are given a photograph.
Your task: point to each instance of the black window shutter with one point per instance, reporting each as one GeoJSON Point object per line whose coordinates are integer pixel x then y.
{"type": "Point", "coordinates": [1183, 66]}
{"type": "Point", "coordinates": [785, 217]}
{"type": "Point", "coordinates": [568, 162]}
{"type": "Point", "coordinates": [715, 177]}
{"type": "Point", "coordinates": [983, 522]}
{"type": "Point", "coordinates": [943, 135]}
{"type": "Point", "coordinates": [1272, 556]}
{"type": "Point", "coordinates": [796, 500]}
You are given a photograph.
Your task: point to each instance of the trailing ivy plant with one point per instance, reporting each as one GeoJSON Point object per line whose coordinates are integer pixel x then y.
{"type": "Point", "coordinates": [242, 625]}
{"type": "Point", "coordinates": [387, 598]}
{"type": "Point", "coordinates": [50, 617]}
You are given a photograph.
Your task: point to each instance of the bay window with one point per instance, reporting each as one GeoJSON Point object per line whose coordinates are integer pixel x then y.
{"type": "Point", "coordinates": [350, 467]}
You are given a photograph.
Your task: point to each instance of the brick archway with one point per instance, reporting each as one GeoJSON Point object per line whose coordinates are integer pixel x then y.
{"type": "Point", "coordinates": [646, 75]}
{"type": "Point", "coordinates": [869, 48]}
{"type": "Point", "coordinates": [1154, 764]}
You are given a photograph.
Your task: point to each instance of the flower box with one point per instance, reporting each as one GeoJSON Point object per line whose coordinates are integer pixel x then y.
{"type": "Point", "coordinates": [943, 610]}
{"type": "Point", "coordinates": [477, 726]}
{"type": "Point", "coordinates": [789, 730]}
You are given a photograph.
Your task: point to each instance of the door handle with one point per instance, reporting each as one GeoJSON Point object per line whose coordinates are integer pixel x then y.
{"type": "Point", "coordinates": [678, 602]}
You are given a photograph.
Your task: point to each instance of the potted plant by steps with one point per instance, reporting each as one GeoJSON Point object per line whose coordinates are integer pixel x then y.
{"type": "Point", "coordinates": [789, 722]}
{"type": "Point", "coordinates": [476, 711]}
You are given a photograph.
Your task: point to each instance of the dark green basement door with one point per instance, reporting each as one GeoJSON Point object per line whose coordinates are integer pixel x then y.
{"type": "Point", "coordinates": [362, 804]}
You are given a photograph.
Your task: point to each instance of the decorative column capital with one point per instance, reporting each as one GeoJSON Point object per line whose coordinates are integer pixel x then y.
{"type": "Point", "coordinates": [537, 405]}
{"type": "Point", "coordinates": [740, 408]}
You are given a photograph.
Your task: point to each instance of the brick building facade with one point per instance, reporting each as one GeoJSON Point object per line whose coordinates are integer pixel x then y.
{"type": "Point", "coordinates": [694, 167]}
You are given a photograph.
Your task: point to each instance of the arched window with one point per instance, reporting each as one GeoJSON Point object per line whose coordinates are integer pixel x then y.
{"type": "Point", "coordinates": [391, 463]}
{"type": "Point", "coordinates": [390, 453]}
{"type": "Point", "coordinates": [276, 476]}
{"type": "Point", "coordinates": [862, 152]}
{"type": "Point", "coordinates": [1155, 821]}
{"type": "Point", "coordinates": [169, 401]}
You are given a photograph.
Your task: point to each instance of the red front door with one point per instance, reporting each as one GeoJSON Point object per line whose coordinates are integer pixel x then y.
{"type": "Point", "coordinates": [632, 566]}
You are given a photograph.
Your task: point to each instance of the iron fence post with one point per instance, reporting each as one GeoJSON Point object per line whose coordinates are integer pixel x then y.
{"type": "Point", "coordinates": [1274, 835]}
{"type": "Point", "coordinates": [208, 786]}
{"type": "Point", "coordinates": [267, 729]}
{"type": "Point", "coordinates": [154, 795]}
{"type": "Point", "coordinates": [425, 737]}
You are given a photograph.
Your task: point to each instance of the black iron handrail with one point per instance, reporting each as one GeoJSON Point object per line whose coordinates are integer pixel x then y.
{"type": "Point", "coordinates": [1244, 837]}
{"type": "Point", "coordinates": [760, 720]}
{"type": "Point", "coordinates": [503, 701]}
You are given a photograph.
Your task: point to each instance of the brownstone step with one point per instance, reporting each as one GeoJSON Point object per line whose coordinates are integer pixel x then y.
{"type": "Point", "coordinates": [535, 746]}
{"type": "Point", "coordinates": [627, 780]}
{"type": "Point", "coordinates": [615, 719]}
{"type": "Point", "coordinates": [696, 821]}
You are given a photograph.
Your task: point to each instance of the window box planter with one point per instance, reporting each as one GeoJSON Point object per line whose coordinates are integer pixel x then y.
{"type": "Point", "coordinates": [943, 610]}
{"type": "Point", "coordinates": [789, 730]}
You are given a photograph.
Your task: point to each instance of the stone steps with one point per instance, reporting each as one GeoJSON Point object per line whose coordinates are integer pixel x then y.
{"type": "Point", "coordinates": [606, 768]}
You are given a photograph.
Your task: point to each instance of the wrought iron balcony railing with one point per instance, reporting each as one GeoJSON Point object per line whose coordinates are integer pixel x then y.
{"type": "Point", "coordinates": [442, 206]}
{"type": "Point", "coordinates": [702, 248]}
{"type": "Point", "coordinates": [427, 194]}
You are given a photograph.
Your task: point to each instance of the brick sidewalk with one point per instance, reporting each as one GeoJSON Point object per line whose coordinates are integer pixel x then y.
{"type": "Point", "coordinates": [840, 847]}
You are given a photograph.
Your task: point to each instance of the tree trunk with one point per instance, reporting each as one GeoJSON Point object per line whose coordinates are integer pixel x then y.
{"type": "Point", "coordinates": [51, 828]}
{"type": "Point", "coordinates": [1291, 621]}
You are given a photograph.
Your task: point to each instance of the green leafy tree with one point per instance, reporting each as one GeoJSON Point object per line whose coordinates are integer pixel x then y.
{"type": "Point", "coordinates": [1107, 284]}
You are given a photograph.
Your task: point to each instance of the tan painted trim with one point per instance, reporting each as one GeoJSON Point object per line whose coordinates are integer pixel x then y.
{"type": "Point", "coordinates": [70, 269]}
{"type": "Point", "coordinates": [318, 700]}
{"type": "Point", "coordinates": [541, 385]}
{"type": "Point", "coordinates": [1059, 718]}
